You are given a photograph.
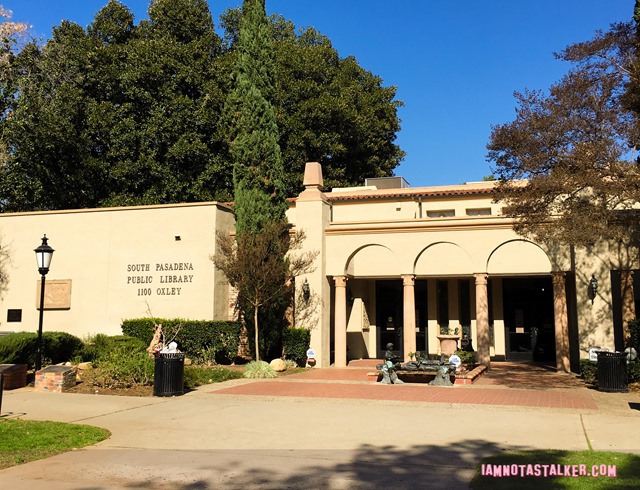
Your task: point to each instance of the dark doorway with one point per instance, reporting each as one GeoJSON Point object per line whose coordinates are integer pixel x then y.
{"type": "Point", "coordinates": [528, 319]}
{"type": "Point", "coordinates": [422, 316]}
{"type": "Point", "coordinates": [389, 316]}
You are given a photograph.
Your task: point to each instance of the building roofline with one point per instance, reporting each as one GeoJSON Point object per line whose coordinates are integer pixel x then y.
{"type": "Point", "coordinates": [221, 205]}
{"type": "Point", "coordinates": [469, 189]}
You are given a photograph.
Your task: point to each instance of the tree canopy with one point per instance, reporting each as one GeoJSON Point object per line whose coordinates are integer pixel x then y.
{"type": "Point", "coordinates": [576, 147]}
{"type": "Point", "coordinates": [124, 114]}
{"type": "Point", "coordinates": [10, 35]}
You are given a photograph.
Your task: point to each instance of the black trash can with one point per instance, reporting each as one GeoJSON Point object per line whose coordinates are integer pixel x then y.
{"type": "Point", "coordinates": [168, 376]}
{"type": "Point", "coordinates": [612, 372]}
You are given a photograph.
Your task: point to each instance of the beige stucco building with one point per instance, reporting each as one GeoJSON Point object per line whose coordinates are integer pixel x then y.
{"type": "Point", "coordinates": [401, 265]}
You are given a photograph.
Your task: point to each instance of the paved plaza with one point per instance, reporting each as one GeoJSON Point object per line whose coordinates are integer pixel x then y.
{"type": "Point", "coordinates": [325, 428]}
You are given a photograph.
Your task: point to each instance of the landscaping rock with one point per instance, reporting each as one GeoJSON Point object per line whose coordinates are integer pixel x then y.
{"type": "Point", "coordinates": [278, 365]}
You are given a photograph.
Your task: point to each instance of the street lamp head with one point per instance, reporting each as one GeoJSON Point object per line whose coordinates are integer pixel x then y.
{"type": "Point", "coordinates": [43, 255]}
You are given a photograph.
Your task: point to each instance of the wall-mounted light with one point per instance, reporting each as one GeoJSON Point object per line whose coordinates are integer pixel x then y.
{"type": "Point", "coordinates": [306, 290]}
{"type": "Point", "coordinates": [592, 288]}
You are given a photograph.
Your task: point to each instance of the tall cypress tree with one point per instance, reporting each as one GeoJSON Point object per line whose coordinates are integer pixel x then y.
{"type": "Point", "coordinates": [252, 133]}
{"type": "Point", "coordinates": [259, 194]}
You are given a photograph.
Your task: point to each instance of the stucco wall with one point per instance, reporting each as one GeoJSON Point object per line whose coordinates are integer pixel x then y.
{"type": "Point", "coordinates": [120, 263]}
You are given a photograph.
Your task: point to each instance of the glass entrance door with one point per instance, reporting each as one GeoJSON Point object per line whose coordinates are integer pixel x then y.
{"type": "Point", "coordinates": [389, 317]}
{"type": "Point", "coordinates": [528, 319]}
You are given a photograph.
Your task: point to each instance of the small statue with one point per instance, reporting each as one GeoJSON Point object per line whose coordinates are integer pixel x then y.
{"type": "Point", "coordinates": [443, 375]}
{"type": "Point", "coordinates": [389, 375]}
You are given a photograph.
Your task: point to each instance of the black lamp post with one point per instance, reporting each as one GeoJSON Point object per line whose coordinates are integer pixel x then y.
{"type": "Point", "coordinates": [43, 254]}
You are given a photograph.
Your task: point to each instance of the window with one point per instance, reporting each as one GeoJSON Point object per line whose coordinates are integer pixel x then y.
{"type": "Point", "coordinates": [479, 212]}
{"type": "Point", "coordinates": [445, 213]}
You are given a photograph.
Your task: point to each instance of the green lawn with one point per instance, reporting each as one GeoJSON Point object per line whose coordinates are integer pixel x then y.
{"type": "Point", "coordinates": [22, 441]}
{"type": "Point", "coordinates": [564, 470]}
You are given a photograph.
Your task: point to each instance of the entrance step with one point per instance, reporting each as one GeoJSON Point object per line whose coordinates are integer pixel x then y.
{"type": "Point", "coordinates": [368, 363]}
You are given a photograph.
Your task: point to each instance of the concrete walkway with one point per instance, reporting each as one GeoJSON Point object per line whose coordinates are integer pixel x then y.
{"type": "Point", "coordinates": [325, 429]}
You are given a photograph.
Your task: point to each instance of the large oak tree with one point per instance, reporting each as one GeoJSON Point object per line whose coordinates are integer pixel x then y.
{"type": "Point", "coordinates": [122, 114]}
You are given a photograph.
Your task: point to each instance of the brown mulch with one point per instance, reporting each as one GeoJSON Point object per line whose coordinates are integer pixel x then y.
{"type": "Point", "coordinates": [86, 385]}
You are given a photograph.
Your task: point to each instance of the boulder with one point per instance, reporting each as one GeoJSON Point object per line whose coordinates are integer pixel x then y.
{"type": "Point", "coordinates": [278, 365]}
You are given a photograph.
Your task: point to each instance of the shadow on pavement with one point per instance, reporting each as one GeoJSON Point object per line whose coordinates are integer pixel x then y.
{"type": "Point", "coordinates": [367, 467]}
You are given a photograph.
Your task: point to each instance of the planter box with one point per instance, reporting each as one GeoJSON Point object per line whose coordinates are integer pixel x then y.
{"type": "Point", "coordinates": [56, 379]}
{"type": "Point", "coordinates": [13, 376]}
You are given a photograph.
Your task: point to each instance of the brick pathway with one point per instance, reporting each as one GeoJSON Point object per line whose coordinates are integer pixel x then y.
{"type": "Point", "coordinates": [503, 386]}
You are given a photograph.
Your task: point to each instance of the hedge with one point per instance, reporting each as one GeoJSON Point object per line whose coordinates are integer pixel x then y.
{"type": "Point", "coordinates": [21, 348]}
{"type": "Point", "coordinates": [199, 339]}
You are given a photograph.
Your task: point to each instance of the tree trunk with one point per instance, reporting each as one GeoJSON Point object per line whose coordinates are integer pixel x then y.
{"type": "Point", "coordinates": [255, 326]}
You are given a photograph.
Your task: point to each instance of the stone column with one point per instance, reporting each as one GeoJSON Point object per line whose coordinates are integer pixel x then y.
{"type": "Point", "coordinates": [628, 303]}
{"type": "Point", "coordinates": [409, 309]}
{"type": "Point", "coordinates": [313, 215]}
{"type": "Point", "coordinates": [482, 318]}
{"type": "Point", "coordinates": [561, 320]}
{"type": "Point", "coordinates": [340, 322]}
{"type": "Point", "coordinates": [433, 330]}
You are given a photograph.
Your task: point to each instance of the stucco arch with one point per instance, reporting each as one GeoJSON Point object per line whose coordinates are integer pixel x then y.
{"type": "Point", "coordinates": [373, 261]}
{"type": "Point", "coordinates": [443, 258]}
{"type": "Point", "coordinates": [518, 257]}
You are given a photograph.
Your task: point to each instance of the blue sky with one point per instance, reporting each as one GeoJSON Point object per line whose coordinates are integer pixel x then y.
{"type": "Point", "coordinates": [456, 63]}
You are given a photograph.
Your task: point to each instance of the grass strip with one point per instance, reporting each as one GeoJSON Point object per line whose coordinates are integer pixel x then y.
{"type": "Point", "coordinates": [195, 376]}
{"type": "Point", "coordinates": [22, 441]}
{"type": "Point", "coordinates": [564, 469]}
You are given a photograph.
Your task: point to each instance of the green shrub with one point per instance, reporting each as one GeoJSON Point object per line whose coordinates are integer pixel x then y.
{"type": "Point", "coordinates": [467, 357]}
{"type": "Point", "coordinates": [213, 340]}
{"type": "Point", "coordinates": [61, 346]}
{"type": "Point", "coordinates": [18, 348]}
{"type": "Point", "coordinates": [101, 345]}
{"type": "Point", "coordinates": [295, 343]}
{"type": "Point", "coordinates": [633, 368]}
{"type": "Point", "coordinates": [259, 369]}
{"type": "Point", "coordinates": [291, 364]}
{"type": "Point", "coordinates": [634, 331]}
{"type": "Point", "coordinates": [195, 376]}
{"type": "Point", "coordinates": [589, 371]}
{"type": "Point", "coordinates": [123, 367]}
{"type": "Point", "coordinates": [21, 348]}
